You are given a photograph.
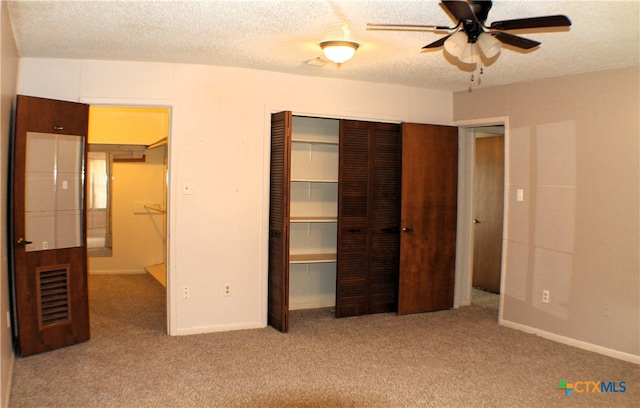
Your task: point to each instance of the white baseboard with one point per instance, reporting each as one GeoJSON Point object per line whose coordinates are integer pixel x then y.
{"type": "Point", "coordinates": [314, 303]}
{"type": "Point", "coordinates": [632, 358]}
{"type": "Point", "coordinates": [117, 272]}
{"type": "Point", "coordinates": [218, 328]}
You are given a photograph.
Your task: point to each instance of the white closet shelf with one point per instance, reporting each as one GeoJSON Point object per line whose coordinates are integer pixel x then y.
{"type": "Point", "coordinates": [307, 180]}
{"type": "Point", "coordinates": [314, 219]}
{"type": "Point", "coordinates": [316, 141]}
{"type": "Point", "coordinates": [312, 258]}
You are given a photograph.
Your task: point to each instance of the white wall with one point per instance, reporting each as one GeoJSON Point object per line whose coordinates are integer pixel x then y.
{"type": "Point", "coordinates": [8, 79]}
{"type": "Point", "coordinates": [573, 147]}
{"type": "Point", "coordinates": [219, 146]}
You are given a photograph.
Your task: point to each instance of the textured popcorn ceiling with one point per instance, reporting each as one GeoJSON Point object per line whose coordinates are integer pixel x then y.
{"type": "Point", "coordinates": [283, 36]}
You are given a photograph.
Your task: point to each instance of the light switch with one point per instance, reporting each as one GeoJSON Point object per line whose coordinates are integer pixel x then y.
{"type": "Point", "coordinates": [519, 194]}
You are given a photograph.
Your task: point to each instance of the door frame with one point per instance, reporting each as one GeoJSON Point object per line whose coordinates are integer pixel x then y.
{"type": "Point", "coordinates": [464, 246]}
{"type": "Point", "coordinates": [171, 297]}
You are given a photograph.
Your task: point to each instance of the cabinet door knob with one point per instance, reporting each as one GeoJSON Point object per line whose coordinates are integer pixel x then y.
{"type": "Point", "coordinates": [354, 230]}
{"type": "Point", "coordinates": [407, 229]}
{"type": "Point", "coordinates": [476, 221]}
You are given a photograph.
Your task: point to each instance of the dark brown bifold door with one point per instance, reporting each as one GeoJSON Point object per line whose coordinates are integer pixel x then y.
{"type": "Point", "coordinates": [368, 218]}
{"type": "Point", "coordinates": [429, 202]}
{"type": "Point", "coordinates": [49, 261]}
{"type": "Point", "coordinates": [278, 315]}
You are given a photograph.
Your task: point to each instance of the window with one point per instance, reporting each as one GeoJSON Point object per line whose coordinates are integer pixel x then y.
{"type": "Point", "coordinates": [99, 211]}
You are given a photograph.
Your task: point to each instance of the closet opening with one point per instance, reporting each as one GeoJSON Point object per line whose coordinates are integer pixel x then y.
{"type": "Point", "coordinates": [347, 229]}
{"type": "Point", "coordinates": [127, 175]}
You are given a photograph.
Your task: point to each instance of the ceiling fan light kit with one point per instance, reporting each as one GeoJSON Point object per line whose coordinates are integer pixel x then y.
{"type": "Point", "coordinates": [339, 51]}
{"type": "Point", "coordinates": [489, 45]}
{"type": "Point", "coordinates": [456, 44]}
{"type": "Point", "coordinates": [470, 54]}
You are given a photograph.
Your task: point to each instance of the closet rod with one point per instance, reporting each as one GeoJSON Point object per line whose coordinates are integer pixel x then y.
{"type": "Point", "coordinates": [156, 208]}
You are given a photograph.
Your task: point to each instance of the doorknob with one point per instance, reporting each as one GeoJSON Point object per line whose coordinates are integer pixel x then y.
{"type": "Point", "coordinates": [475, 221]}
{"type": "Point", "coordinates": [22, 241]}
{"type": "Point", "coordinates": [407, 229]}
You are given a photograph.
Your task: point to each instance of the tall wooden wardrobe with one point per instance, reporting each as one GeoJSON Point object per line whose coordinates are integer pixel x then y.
{"type": "Point", "coordinates": [369, 209]}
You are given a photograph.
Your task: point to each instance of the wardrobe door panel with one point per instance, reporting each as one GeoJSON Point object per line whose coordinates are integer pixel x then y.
{"type": "Point", "coordinates": [384, 204]}
{"type": "Point", "coordinates": [353, 213]}
{"type": "Point", "coordinates": [278, 314]}
{"type": "Point", "coordinates": [369, 206]}
{"type": "Point", "coordinates": [429, 202]}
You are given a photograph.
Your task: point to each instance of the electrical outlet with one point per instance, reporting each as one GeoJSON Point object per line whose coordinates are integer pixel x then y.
{"type": "Point", "coordinates": [185, 292]}
{"type": "Point", "coordinates": [545, 296]}
{"type": "Point", "coordinates": [227, 289]}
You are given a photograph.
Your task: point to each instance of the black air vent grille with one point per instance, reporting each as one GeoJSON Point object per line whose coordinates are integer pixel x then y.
{"type": "Point", "coordinates": [53, 288]}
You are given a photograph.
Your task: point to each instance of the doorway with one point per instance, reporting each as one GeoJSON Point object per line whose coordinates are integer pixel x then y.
{"type": "Point", "coordinates": [481, 212]}
{"type": "Point", "coordinates": [488, 214]}
{"type": "Point", "coordinates": [488, 208]}
{"type": "Point", "coordinates": [129, 146]}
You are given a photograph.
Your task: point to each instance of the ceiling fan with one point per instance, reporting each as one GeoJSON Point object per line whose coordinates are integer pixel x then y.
{"type": "Point", "coordinates": [471, 30]}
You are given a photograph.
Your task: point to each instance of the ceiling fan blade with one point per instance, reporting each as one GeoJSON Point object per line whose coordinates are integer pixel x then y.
{"type": "Point", "coordinates": [438, 43]}
{"type": "Point", "coordinates": [406, 27]}
{"type": "Point", "coordinates": [516, 41]}
{"type": "Point", "coordinates": [533, 22]}
{"type": "Point", "coordinates": [461, 10]}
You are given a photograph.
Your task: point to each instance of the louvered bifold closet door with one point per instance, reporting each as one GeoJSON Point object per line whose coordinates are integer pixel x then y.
{"type": "Point", "coordinates": [353, 220]}
{"type": "Point", "coordinates": [278, 315]}
{"type": "Point", "coordinates": [369, 218]}
{"type": "Point", "coordinates": [384, 218]}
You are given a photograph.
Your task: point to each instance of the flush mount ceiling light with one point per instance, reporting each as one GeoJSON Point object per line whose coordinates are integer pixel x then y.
{"type": "Point", "coordinates": [339, 51]}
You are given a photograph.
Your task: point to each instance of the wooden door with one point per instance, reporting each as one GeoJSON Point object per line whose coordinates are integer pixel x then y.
{"type": "Point", "coordinates": [428, 220]}
{"type": "Point", "coordinates": [368, 218]}
{"type": "Point", "coordinates": [384, 218]}
{"type": "Point", "coordinates": [488, 208]}
{"type": "Point", "coordinates": [352, 268]}
{"type": "Point", "coordinates": [49, 261]}
{"type": "Point", "coordinates": [278, 280]}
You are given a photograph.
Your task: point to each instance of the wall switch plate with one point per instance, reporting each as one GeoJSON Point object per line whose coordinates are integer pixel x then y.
{"type": "Point", "coordinates": [519, 194]}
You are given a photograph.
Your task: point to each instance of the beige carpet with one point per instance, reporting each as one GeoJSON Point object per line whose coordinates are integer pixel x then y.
{"type": "Point", "coordinates": [458, 358]}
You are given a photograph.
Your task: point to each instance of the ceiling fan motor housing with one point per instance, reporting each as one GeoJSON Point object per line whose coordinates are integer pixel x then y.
{"type": "Point", "coordinates": [481, 9]}
{"type": "Point", "coordinates": [473, 27]}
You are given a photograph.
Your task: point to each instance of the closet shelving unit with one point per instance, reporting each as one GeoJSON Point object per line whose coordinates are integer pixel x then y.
{"type": "Point", "coordinates": [313, 211]}
{"type": "Point", "coordinates": [159, 271]}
